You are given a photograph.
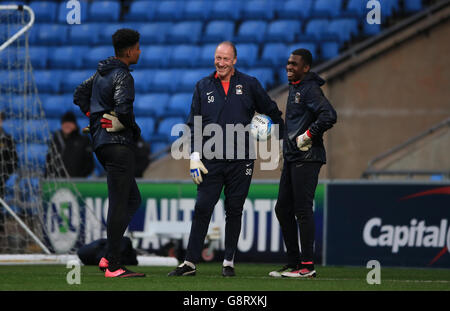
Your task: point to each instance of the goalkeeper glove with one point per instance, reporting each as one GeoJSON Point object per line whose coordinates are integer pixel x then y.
{"type": "Point", "coordinates": [304, 142]}
{"type": "Point", "coordinates": [197, 168]}
{"type": "Point", "coordinates": [111, 123]}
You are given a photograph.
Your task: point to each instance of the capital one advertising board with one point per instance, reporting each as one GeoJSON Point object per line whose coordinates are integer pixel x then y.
{"type": "Point", "coordinates": [76, 213]}
{"type": "Point", "coordinates": [396, 224]}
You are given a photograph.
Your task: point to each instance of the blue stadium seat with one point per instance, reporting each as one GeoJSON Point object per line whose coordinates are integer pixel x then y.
{"type": "Point", "coordinates": [355, 8]}
{"type": "Point", "coordinates": [151, 104]}
{"type": "Point", "coordinates": [38, 56]}
{"type": "Point", "coordinates": [274, 54]}
{"type": "Point", "coordinates": [158, 143]}
{"type": "Point", "coordinates": [165, 81]}
{"type": "Point", "coordinates": [104, 11]}
{"type": "Point", "coordinates": [44, 11]}
{"type": "Point", "coordinates": [226, 9]}
{"type": "Point", "coordinates": [282, 76]}
{"type": "Point", "coordinates": [257, 9]}
{"type": "Point", "coordinates": [329, 50]}
{"type": "Point", "coordinates": [371, 29]}
{"type": "Point", "coordinates": [56, 105]}
{"type": "Point", "coordinates": [247, 54]}
{"type": "Point", "coordinates": [67, 57]}
{"type": "Point", "coordinates": [217, 31]}
{"type": "Point", "coordinates": [341, 29]}
{"type": "Point", "coordinates": [147, 125]}
{"type": "Point", "coordinates": [48, 81]}
{"type": "Point", "coordinates": [311, 46]}
{"type": "Point", "coordinates": [151, 33]}
{"type": "Point", "coordinates": [315, 29]}
{"type": "Point", "coordinates": [189, 78]}
{"type": "Point", "coordinates": [169, 10]}
{"type": "Point", "coordinates": [251, 31]}
{"type": "Point", "coordinates": [32, 155]}
{"type": "Point", "coordinates": [184, 56]}
{"type": "Point", "coordinates": [155, 56]}
{"type": "Point", "coordinates": [141, 11]}
{"type": "Point", "coordinates": [179, 105]}
{"type": "Point", "coordinates": [143, 80]}
{"type": "Point", "coordinates": [283, 30]}
{"type": "Point", "coordinates": [74, 78]}
{"type": "Point", "coordinates": [185, 32]}
{"type": "Point", "coordinates": [206, 57]}
{"type": "Point", "coordinates": [388, 8]}
{"type": "Point", "coordinates": [63, 12]}
{"type": "Point", "coordinates": [51, 34]}
{"type": "Point", "coordinates": [54, 124]}
{"type": "Point", "coordinates": [265, 76]}
{"type": "Point", "coordinates": [413, 6]}
{"type": "Point", "coordinates": [197, 10]}
{"type": "Point", "coordinates": [326, 8]}
{"type": "Point", "coordinates": [85, 34]}
{"type": "Point", "coordinates": [166, 125]}
{"type": "Point", "coordinates": [295, 9]}
{"type": "Point", "coordinates": [36, 131]}
{"type": "Point", "coordinates": [14, 127]}
{"type": "Point", "coordinates": [97, 54]}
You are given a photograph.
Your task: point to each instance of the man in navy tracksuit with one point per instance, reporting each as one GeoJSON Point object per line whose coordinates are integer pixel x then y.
{"type": "Point", "coordinates": [226, 97]}
{"type": "Point", "coordinates": [308, 116]}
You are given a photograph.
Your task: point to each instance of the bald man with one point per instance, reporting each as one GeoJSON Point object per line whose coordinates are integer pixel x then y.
{"type": "Point", "coordinates": [226, 97]}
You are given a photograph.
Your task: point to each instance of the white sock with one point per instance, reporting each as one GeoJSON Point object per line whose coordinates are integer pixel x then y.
{"type": "Point", "coordinates": [190, 264]}
{"type": "Point", "coordinates": [227, 263]}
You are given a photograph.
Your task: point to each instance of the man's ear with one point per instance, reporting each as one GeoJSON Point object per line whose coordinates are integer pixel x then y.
{"type": "Point", "coordinates": [306, 68]}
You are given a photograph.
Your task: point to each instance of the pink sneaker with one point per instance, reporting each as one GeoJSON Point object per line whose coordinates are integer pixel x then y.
{"type": "Point", "coordinates": [103, 264]}
{"type": "Point", "coordinates": [122, 273]}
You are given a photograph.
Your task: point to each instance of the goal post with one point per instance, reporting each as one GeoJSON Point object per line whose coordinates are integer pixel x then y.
{"type": "Point", "coordinates": [41, 210]}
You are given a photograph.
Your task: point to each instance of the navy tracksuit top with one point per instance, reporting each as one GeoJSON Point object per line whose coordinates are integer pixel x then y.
{"type": "Point", "coordinates": [245, 97]}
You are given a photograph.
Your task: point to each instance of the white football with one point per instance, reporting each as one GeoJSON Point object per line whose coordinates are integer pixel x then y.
{"type": "Point", "coordinates": [261, 127]}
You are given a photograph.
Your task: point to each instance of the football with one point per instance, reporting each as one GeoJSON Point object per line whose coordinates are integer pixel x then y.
{"type": "Point", "coordinates": [261, 127]}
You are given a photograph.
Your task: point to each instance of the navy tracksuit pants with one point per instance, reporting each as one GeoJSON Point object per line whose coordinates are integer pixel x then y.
{"type": "Point", "coordinates": [294, 209]}
{"type": "Point", "coordinates": [234, 177]}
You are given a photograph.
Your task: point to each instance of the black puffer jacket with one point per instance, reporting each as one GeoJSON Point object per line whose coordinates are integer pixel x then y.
{"type": "Point", "coordinates": [307, 108]}
{"type": "Point", "coordinates": [111, 88]}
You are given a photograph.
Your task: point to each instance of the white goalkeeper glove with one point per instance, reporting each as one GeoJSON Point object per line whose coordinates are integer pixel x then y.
{"type": "Point", "coordinates": [111, 123]}
{"type": "Point", "coordinates": [197, 168]}
{"type": "Point", "coordinates": [304, 142]}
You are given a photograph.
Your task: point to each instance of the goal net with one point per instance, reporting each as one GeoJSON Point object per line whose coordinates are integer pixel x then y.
{"type": "Point", "coordinates": [39, 213]}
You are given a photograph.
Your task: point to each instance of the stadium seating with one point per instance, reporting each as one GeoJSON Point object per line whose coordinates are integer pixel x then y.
{"type": "Point", "coordinates": [251, 31]}
{"type": "Point", "coordinates": [178, 40]}
{"type": "Point", "coordinates": [44, 11]}
{"type": "Point", "coordinates": [104, 11]}
{"type": "Point", "coordinates": [283, 30]}
{"type": "Point", "coordinates": [166, 126]}
{"type": "Point", "coordinates": [147, 125]}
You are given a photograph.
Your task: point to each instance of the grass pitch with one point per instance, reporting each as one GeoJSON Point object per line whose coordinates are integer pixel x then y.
{"type": "Point", "coordinates": [250, 277]}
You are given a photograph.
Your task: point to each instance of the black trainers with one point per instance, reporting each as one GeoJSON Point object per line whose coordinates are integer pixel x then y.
{"type": "Point", "coordinates": [285, 268]}
{"type": "Point", "coordinates": [228, 271]}
{"type": "Point", "coordinates": [183, 270]}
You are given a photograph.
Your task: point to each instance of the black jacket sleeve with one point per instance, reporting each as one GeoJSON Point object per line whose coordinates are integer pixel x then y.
{"type": "Point", "coordinates": [325, 114]}
{"type": "Point", "coordinates": [82, 95]}
{"type": "Point", "coordinates": [195, 111]}
{"type": "Point", "coordinates": [123, 98]}
{"type": "Point", "coordinates": [265, 105]}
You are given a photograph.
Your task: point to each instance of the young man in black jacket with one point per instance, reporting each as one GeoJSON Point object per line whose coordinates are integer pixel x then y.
{"type": "Point", "coordinates": [107, 98]}
{"type": "Point", "coordinates": [225, 98]}
{"type": "Point", "coordinates": [308, 116]}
